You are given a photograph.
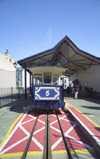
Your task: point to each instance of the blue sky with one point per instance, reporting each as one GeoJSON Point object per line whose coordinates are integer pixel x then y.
{"type": "Point", "coordinates": [31, 26]}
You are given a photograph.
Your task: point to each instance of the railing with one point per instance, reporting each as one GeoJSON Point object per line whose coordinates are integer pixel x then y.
{"type": "Point", "coordinates": [9, 95]}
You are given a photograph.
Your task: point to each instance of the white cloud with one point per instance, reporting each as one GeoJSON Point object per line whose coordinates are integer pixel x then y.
{"type": "Point", "coordinates": [49, 35]}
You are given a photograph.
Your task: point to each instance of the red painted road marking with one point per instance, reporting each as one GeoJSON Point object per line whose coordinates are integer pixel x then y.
{"type": "Point", "coordinates": [17, 139]}
{"type": "Point", "coordinates": [76, 140]}
{"type": "Point", "coordinates": [90, 125]}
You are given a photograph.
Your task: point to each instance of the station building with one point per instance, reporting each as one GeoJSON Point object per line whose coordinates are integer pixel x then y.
{"type": "Point", "coordinates": [7, 71]}
{"type": "Point", "coordinates": [10, 74]}
{"type": "Point", "coordinates": [89, 78]}
{"type": "Point", "coordinates": [78, 64]}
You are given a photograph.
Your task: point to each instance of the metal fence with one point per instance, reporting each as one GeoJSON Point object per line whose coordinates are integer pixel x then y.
{"type": "Point", "coordinates": [9, 95]}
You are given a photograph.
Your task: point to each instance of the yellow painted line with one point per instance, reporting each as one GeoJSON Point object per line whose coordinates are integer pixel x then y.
{"type": "Point", "coordinates": [72, 151]}
{"type": "Point", "coordinates": [83, 114]}
{"type": "Point", "coordinates": [82, 151]}
{"type": "Point", "coordinates": [11, 154]}
{"type": "Point", "coordinates": [35, 153]}
{"type": "Point", "coordinates": [18, 154]}
{"type": "Point", "coordinates": [10, 129]}
{"type": "Point", "coordinates": [59, 152]}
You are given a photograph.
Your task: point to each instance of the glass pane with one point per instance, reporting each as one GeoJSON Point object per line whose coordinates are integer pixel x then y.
{"type": "Point", "coordinates": [47, 77]}
{"type": "Point", "coordinates": [55, 78]}
{"type": "Point", "coordinates": [37, 80]}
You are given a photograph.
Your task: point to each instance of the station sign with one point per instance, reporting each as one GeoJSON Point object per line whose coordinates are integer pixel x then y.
{"type": "Point", "coordinates": [44, 93]}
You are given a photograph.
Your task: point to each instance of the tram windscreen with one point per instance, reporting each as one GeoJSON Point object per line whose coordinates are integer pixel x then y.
{"type": "Point", "coordinates": [47, 77]}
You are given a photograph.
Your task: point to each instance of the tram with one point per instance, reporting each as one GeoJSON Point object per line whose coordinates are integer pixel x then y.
{"type": "Point", "coordinates": [46, 92]}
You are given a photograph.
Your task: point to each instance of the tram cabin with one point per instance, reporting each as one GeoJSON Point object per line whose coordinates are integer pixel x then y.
{"type": "Point", "coordinates": [47, 93]}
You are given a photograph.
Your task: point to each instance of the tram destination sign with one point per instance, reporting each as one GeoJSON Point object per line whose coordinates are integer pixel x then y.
{"type": "Point", "coordinates": [44, 93]}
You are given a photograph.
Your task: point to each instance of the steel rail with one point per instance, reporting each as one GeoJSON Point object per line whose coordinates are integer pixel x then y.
{"type": "Point", "coordinates": [29, 140]}
{"type": "Point", "coordinates": [63, 136]}
{"type": "Point", "coordinates": [47, 144]}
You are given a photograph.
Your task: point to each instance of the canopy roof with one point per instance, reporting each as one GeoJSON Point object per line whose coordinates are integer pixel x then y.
{"type": "Point", "coordinates": [64, 55]}
{"type": "Point", "coordinates": [42, 69]}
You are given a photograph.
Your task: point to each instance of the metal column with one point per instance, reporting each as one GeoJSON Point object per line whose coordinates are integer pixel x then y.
{"type": "Point", "coordinates": [25, 82]}
{"type": "Point", "coordinates": [30, 83]}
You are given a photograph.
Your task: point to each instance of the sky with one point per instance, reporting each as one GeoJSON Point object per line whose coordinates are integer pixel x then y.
{"type": "Point", "coordinates": [28, 27]}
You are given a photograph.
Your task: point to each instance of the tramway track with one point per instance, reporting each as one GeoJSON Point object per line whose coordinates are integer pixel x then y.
{"type": "Point", "coordinates": [63, 136]}
{"type": "Point", "coordinates": [47, 145]}
{"type": "Point", "coordinates": [46, 134]}
{"type": "Point", "coordinates": [29, 140]}
{"type": "Point", "coordinates": [47, 152]}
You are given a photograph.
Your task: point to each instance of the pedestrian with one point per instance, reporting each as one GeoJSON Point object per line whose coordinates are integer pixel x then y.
{"type": "Point", "coordinates": [76, 88]}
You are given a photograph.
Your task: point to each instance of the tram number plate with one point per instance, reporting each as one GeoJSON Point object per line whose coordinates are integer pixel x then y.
{"type": "Point", "coordinates": [47, 93]}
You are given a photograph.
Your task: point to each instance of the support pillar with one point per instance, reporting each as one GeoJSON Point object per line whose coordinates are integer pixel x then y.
{"type": "Point", "coordinates": [25, 82]}
{"type": "Point", "coordinates": [30, 83]}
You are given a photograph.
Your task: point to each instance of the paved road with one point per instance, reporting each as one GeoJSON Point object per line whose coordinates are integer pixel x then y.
{"type": "Point", "coordinates": [11, 112]}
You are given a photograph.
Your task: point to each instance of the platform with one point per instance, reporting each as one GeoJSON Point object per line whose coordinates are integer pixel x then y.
{"type": "Point", "coordinates": [88, 106]}
{"type": "Point", "coordinates": [90, 128]}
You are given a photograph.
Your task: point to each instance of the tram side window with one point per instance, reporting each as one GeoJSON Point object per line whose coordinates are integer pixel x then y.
{"type": "Point", "coordinates": [55, 79]}
{"type": "Point", "coordinates": [37, 80]}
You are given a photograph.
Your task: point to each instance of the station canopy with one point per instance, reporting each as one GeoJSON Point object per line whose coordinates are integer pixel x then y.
{"type": "Point", "coordinates": [65, 56]}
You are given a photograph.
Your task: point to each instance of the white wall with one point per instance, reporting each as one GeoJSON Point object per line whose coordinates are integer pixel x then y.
{"type": "Point", "coordinates": [7, 71]}
{"type": "Point", "coordinates": [6, 63]}
{"type": "Point", "coordinates": [90, 78]}
{"type": "Point", "coordinates": [7, 79]}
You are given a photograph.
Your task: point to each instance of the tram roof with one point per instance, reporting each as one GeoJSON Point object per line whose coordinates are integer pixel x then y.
{"type": "Point", "coordinates": [64, 55]}
{"type": "Point", "coordinates": [53, 70]}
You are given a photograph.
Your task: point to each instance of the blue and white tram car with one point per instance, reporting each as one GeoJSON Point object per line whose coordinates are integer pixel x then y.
{"type": "Point", "coordinates": [47, 93]}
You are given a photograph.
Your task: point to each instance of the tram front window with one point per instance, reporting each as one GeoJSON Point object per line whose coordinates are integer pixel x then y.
{"type": "Point", "coordinates": [47, 78]}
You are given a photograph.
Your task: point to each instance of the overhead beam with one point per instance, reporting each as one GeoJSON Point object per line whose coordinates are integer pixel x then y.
{"type": "Point", "coordinates": [69, 69]}
{"type": "Point", "coordinates": [81, 54]}
{"type": "Point", "coordinates": [71, 62]}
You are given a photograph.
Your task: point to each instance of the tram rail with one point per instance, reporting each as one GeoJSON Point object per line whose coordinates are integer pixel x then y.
{"type": "Point", "coordinates": [47, 131]}
{"type": "Point", "coordinates": [47, 146]}
{"type": "Point", "coordinates": [64, 139]}
{"type": "Point", "coordinates": [29, 140]}
{"type": "Point", "coordinates": [47, 152]}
